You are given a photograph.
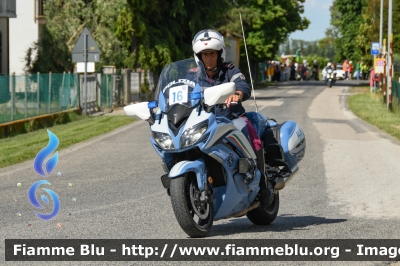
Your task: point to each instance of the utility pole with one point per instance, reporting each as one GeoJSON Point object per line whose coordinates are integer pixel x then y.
{"type": "Point", "coordinates": [390, 58]}
{"type": "Point", "coordinates": [381, 25]}
{"type": "Point", "coordinates": [384, 79]}
{"type": "Point", "coordinates": [380, 45]}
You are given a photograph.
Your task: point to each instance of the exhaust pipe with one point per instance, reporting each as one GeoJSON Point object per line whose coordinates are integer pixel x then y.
{"type": "Point", "coordinates": [283, 181]}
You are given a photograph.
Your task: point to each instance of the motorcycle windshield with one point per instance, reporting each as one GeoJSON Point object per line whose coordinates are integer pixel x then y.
{"type": "Point", "coordinates": [181, 82]}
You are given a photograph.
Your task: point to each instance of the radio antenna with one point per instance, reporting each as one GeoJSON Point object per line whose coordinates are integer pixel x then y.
{"type": "Point", "coordinates": [248, 63]}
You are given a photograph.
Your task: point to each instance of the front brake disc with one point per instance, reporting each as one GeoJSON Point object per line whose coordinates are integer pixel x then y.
{"type": "Point", "coordinates": [200, 209]}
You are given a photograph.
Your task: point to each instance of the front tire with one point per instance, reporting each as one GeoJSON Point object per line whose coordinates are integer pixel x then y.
{"type": "Point", "coordinates": [265, 216]}
{"type": "Point", "coordinates": [193, 215]}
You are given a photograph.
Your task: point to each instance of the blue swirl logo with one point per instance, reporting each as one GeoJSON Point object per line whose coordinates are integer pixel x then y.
{"type": "Point", "coordinates": [32, 197]}
{"type": "Point", "coordinates": [49, 167]}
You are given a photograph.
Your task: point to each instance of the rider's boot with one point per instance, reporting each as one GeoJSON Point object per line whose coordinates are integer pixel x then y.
{"type": "Point", "coordinates": [266, 193]}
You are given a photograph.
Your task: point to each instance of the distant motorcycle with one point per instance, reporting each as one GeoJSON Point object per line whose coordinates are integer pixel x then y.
{"type": "Point", "coordinates": [330, 77]}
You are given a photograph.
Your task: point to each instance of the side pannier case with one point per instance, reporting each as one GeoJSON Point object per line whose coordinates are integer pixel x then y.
{"type": "Point", "coordinates": [284, 144]}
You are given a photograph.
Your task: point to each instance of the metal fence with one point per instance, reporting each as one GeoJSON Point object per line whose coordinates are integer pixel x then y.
{"type": "Point", "coordinates": [31, 95]}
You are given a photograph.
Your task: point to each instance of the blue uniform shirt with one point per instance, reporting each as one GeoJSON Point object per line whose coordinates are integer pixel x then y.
{"type": "Point", "coordinates": [230, 73]}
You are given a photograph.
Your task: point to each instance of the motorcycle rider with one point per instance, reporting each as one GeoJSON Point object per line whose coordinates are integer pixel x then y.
{"type": "Point", "coordinates": [315, 67]}
{"type": "Point", "coordinates": [330, 66]}
{"type": "Point", "coordinates": [209, 47]}
{"type": "Point", "coordinates": [304, 70]}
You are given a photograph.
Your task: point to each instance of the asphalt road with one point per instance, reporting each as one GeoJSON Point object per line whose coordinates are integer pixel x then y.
{"type": "Point", "coordinates": [109, 187]}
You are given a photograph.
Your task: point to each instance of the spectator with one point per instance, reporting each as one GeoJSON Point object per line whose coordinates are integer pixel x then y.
{"type": "Point", "coordinates": [293, 70]}
{"type": "Point", "coordinates": [263, 70]}
{"type": "Point", "coordinates": [364, 70]}
{"type": "Point", "coordinates": [270, 70]}
{"type": "Point", "coordinates": [357, 73]}
{"type": "Point", "coordinates": [345, 67]}
{"type": "Point", "coordinates": [304, 70]}
{"type": "Point", "coordinates": [350, 70]}
{"type": "Point", "coordinates": [277, 71]}
{"type": "Point", "coordinates": [313, 71]}
{"type": "Point", "coordinates": [298, 54]}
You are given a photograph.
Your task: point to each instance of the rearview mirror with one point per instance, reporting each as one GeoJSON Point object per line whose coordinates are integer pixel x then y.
{"type": "Point", "coordinates": [139, 109]}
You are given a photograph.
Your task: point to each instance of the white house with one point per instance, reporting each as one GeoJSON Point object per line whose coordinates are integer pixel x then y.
{"type": "Point", "coordinates": [20, 23]}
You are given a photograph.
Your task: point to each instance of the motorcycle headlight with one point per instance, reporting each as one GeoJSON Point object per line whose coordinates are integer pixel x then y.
{"type": "Point", "coordinates": [164, 140]}
{"type": "Point", "coordinates": [191, 135]}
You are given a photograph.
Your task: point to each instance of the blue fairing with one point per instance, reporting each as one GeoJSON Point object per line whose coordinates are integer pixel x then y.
{"type": "Point", "coordinates": [235, 196]}
{"type": "Point", "coordinates": [196, 167]}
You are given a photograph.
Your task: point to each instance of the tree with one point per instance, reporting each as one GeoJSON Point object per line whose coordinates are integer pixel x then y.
{"type": "Point", "coordinates": [65, 20]}
{"type": "Point", "coordinates": [354, 33]}
{"type": "Point", "coordinates": [50, 55]}
{"type": "Point", "coordinates": [372, 22]}
{"type": "Point", "coordinates": [318, 49]}
{"type": "Point", "coordinates": [267, 24]}
{"type": "Point", "coordinates": [157, 32]}
{"type": "Point", "coordinates": [363, 41]}
{"type": "Point", "coordinates": [150, 34]}
{"type": "Point", "coordinates": [346, 20]}
{"type": "Point", "coordinates": [327, 48]}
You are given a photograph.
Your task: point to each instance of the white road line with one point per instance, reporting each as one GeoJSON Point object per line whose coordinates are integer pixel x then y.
{"type": "Point", "coordinates": [295, 91]}
{"type": "Point", "coordinates": [262, 108]}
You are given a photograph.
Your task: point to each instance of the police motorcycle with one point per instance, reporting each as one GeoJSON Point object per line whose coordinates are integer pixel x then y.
{"type": "Point", "coordinates": [330, 77]}
{"type": "Point", "coordinates": [210, 166]}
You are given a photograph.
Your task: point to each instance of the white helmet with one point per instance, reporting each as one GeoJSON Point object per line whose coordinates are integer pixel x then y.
{"type": "Point", "coordinates": [315, 61]}
{"type": "Point", "coordinates": [209, 40]}
{"type": "Point", "coordinates": [329, 64]}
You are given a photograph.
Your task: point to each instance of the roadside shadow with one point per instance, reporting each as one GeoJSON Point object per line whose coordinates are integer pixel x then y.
{"type": "Point", "coordinates": [282, 223]}
{"type": "Point", "coordinates": [276, 85]}
{"type": "Point", "coordinates": [271, 98]}
{"type": "Point", "coordinates": [320, 83]}
{"type": "Point", "coordinates": [307, 83]}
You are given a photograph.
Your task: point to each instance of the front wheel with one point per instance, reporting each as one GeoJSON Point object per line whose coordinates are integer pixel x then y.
{"type": "Point", "coordinates": [195, 214]}
{"type": "Point", "coordinates": [265, 216]}
{"type": "Point", "coordinates": [330, 83]}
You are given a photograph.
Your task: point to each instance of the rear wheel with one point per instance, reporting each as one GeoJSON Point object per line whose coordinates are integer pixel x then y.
{"type": "Point", "coordinates": [195, 215]}
{"type": "Point", "coordinates": [265, 216]}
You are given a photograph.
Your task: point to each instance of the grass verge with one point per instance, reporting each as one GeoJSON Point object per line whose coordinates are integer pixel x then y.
{"type": "Point", "coordinates": [24, 147]}
{"type": "Point", "coordinates": [370, 108]}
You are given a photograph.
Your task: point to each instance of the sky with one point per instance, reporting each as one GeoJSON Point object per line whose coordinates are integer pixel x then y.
{"type": "Point", "coordinates": [317, 11]}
